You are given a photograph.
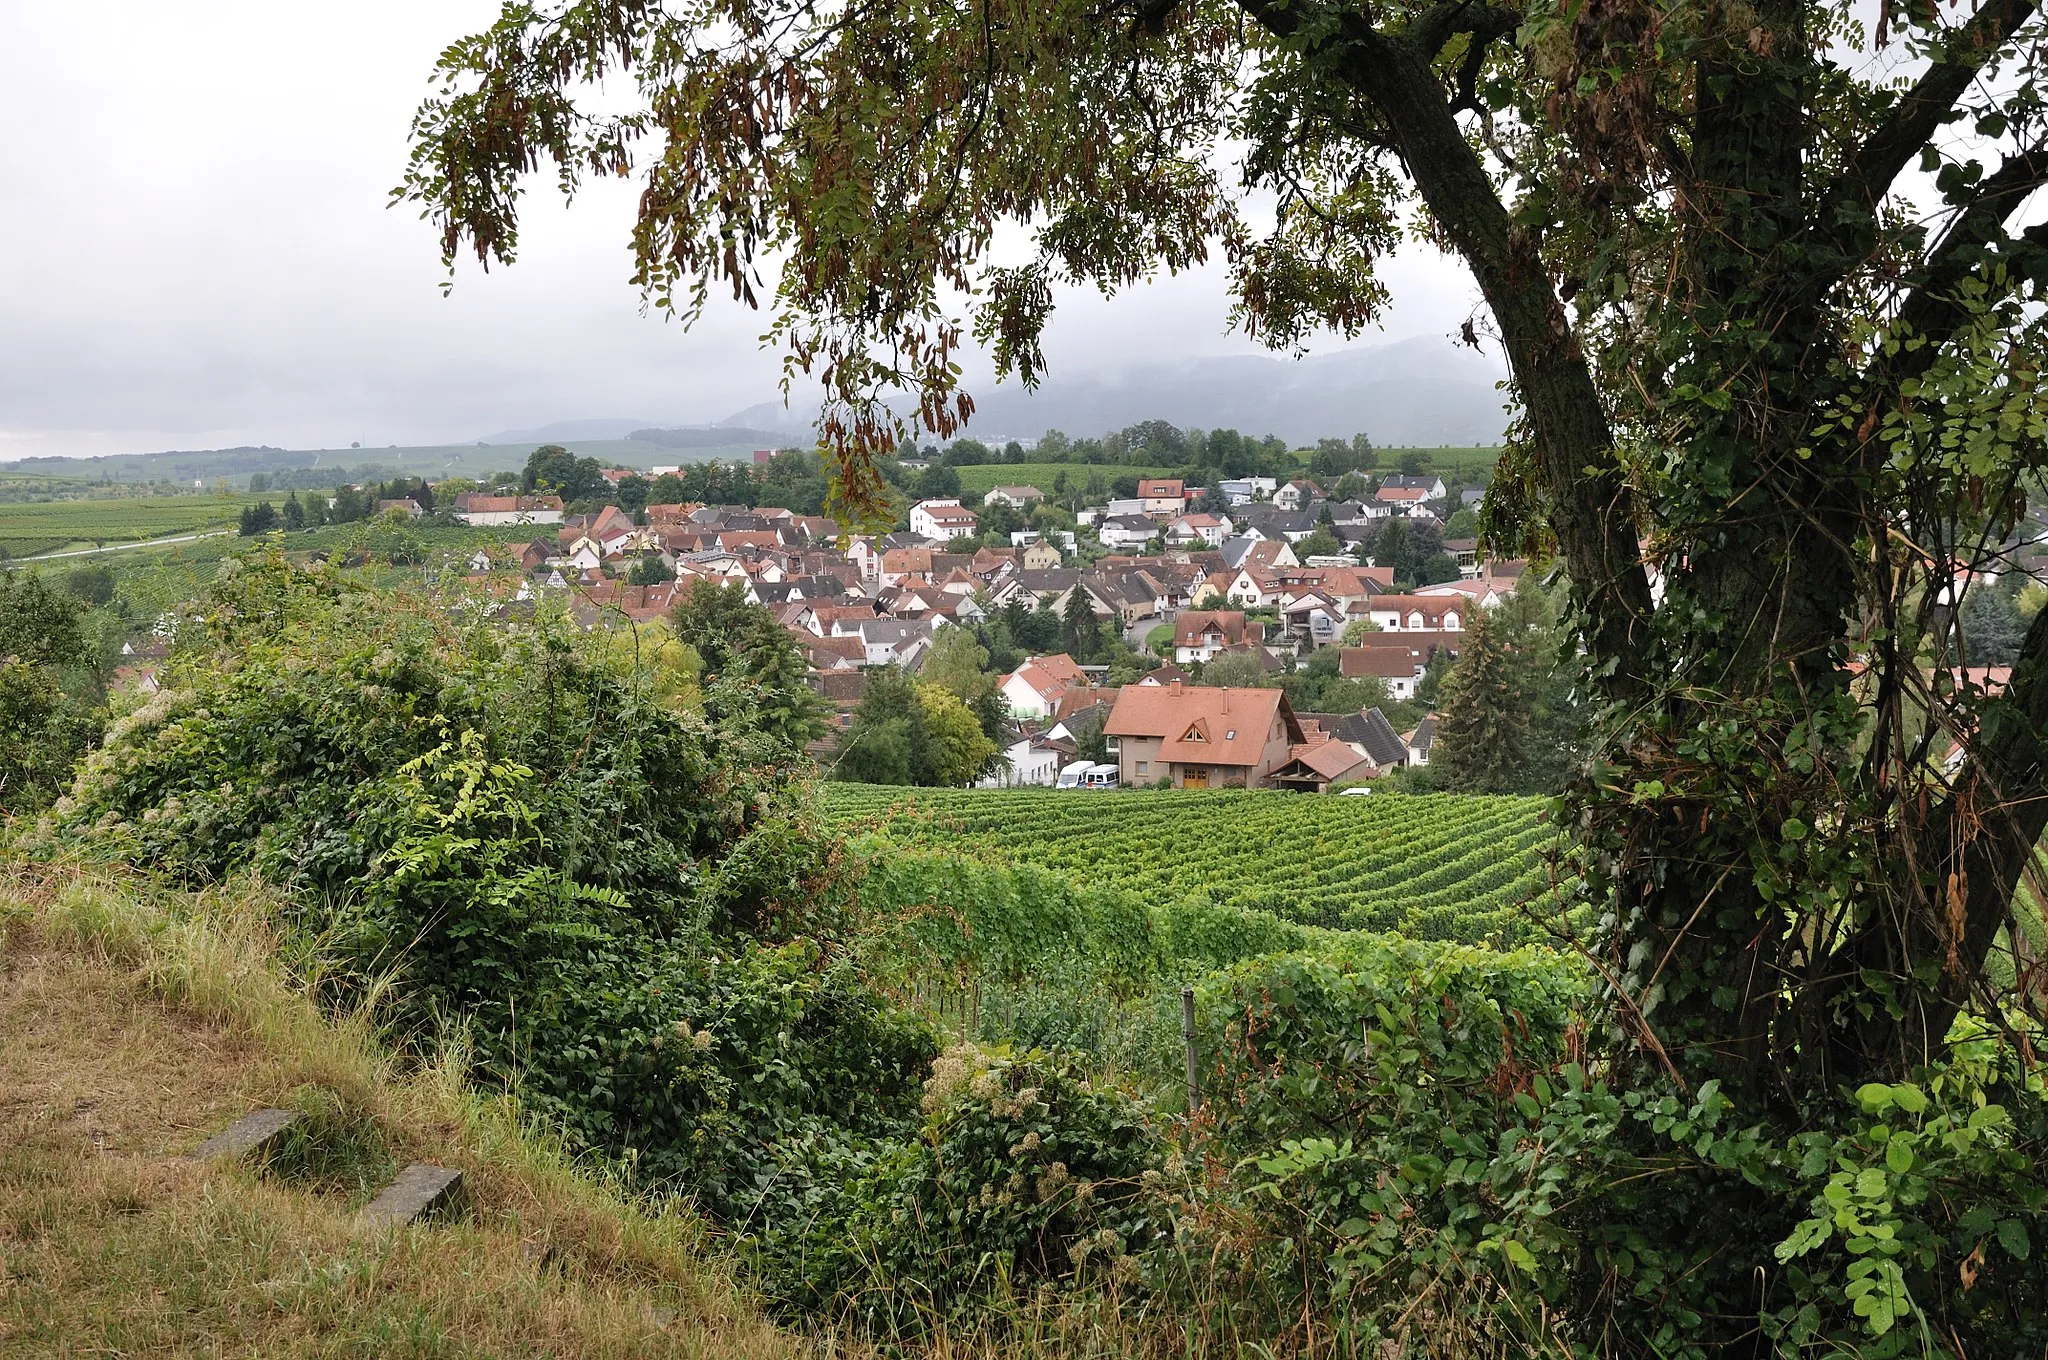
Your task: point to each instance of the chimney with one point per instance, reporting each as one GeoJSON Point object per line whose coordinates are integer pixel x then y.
{"type": "Point", "coordinates": [1173, 685]}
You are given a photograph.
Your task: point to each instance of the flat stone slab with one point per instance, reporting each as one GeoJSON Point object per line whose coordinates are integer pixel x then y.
{"type": "Point", "coordinates": [253, 1132]}
{"type": "Point", "coordinates": [418, 1190]}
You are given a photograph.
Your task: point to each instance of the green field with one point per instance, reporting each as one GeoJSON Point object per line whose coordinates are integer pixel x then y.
{"type": "Point", "coordinates": [31, 527]}
{"type": "Point", "coordinates": [977, 480]}
{"type": "Point", "coordinates": [1467, 466]}
{"type": "Point", "coordinates": [1442, 866]}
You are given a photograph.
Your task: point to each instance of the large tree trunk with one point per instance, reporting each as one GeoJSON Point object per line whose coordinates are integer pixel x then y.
{"type": "Point", "coordinates": [1765, 579]}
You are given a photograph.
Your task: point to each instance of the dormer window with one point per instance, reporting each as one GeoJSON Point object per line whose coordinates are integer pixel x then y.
{"type": "Point", "coordinates": [1193, 734]}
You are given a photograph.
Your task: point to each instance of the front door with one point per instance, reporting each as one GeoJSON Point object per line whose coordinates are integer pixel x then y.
{"type": "Point", "coordinates": [1192, 777]}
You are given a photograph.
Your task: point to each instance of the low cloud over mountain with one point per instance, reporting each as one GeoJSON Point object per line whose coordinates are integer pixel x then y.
{"type": "Point", "coordinates": [1421, 391]}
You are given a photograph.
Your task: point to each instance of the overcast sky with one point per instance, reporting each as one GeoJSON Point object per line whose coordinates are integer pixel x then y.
{"type": "Point", "coordinates": [198, 253]}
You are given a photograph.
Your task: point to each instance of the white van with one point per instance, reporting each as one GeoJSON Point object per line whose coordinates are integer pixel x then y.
{"type": "Point", "coordinates": [1071, 777]}
{"type": "Point", "coordinates": [1101, 777]}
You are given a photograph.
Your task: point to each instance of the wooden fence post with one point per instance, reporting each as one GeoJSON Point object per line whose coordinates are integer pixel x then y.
{"type": "Point", "coordinates": [1187, 1038]}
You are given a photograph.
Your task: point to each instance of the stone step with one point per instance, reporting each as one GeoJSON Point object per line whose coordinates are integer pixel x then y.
{"type": "Point", "coordinates": [252, 1133]}
{"type": "Point", "coordinates": [417, 1191]}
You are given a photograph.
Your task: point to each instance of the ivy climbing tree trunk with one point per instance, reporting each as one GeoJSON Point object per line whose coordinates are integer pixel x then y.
{"type": "Point", "coordinates": [1767, 553]}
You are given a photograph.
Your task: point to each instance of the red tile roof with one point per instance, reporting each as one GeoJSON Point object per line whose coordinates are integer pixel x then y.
{"type": "Point", "coordinates": [1198, 725]}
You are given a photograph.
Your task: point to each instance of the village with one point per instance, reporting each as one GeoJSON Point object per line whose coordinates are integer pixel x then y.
{"type": "Point", "coordinates": [1180, 589]}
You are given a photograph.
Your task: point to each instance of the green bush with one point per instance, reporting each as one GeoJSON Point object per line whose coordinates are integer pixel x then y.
{"type": "Point", "coordinates": [51, 701]}
{"type": "Point", "coordinates": [1025, 1174]}
{"type": "Point", "coordinates": [1415, 1130]}
{"type": "Point", "coordinates": [539, 853]}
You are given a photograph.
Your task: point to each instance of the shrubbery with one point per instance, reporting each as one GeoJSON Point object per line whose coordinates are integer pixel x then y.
{"type": "Point", "coordinates": [641, 922]}
{"type": "Point", "coordinates": [617, 902]}
{"type": "Point", "coordinates": [51, 707]}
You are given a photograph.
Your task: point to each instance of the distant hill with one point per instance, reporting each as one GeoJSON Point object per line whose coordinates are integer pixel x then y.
{"type": "Point", "coordinates": [1423, 391]}
{"type": "Point", "coordinates": [712, 437]}
{"type": "Point", "coordinates": [181, 465]}
{"type": "Point", "coordinates": [563, 431]}
{"type": "Point", "coordinates": [324, 467]}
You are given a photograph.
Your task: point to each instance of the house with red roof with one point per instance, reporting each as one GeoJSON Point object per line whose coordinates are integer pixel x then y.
{"type": "Point", "coordinates": [1419, 613]}
{"type": "Point", "coordinates": [1198, 737]}
{"type": "Point", "coordinates": [1162, 495]}
{"type": "Point", "coordinates": [500, 510]}
{"type": "Point", "coordinates": [1400, 664]}
{"type": "Point", "coordinates": [1034, 689]}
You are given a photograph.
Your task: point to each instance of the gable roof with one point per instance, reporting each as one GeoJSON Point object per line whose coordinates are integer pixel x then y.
{"type": "Point", "coordinates": [1048, 676]}
{"type": "Point", "coordinates": [611, 522]}
{"type": "Point", "coordinates": [1433, 608]}
{"type": "Point", "coordinates": [1374, 733]}
{"type": "Point", "coordinates": [1328, 760]}
{"type": "Point", "coordinates": [1399, 662]}
{"type": "Point", "coordinates": [1194, 624]}
{"type": "Point", "coordinates": [1233, 723]}
{"type": "Point", "coordinates": [504, 505]}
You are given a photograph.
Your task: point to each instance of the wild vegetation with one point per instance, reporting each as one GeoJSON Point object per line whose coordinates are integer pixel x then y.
{"type": "Point", "coordinates": [929, 1094]}
{"type": "Point", "coordinates": [1772, 318]}
{"type": "Point", "coordinates": [136, 1020]}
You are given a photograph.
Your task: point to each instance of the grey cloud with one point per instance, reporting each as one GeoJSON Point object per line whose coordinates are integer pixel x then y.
{"type": "Point", "coordinates": [199, 252]}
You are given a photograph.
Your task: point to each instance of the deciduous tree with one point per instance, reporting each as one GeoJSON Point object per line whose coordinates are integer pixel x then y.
{"type": "Point", "coordinates": [1771, 309]}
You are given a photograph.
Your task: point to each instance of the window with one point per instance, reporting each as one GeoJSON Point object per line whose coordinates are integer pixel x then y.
{"type": "Point", "coordinates": [1144, 766]}
{"type": "Point", "coordinates": [1231, 735]}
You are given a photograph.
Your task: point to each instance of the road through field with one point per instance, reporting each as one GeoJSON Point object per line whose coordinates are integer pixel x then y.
{"type": "Point", "coordinates": [124, 547]}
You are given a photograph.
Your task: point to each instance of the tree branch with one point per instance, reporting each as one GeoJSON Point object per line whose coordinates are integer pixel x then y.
{"type": "Point", "coordinates": [1592, 510]}
{"type": "Point", "coordinates": [1919, 114]}
{"type": "Point", "coordinates": [1437, 25]}
{"type": "Point", "coordinates": [1989, 826]}
{"type": "Point", "coordinates": [1931, 310]}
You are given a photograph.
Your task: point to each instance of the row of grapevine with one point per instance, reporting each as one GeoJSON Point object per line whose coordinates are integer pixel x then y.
{"type": "Point", "coordinates": [1441, 866]}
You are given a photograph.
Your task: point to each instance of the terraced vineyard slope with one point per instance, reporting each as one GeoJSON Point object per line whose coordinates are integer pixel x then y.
{"type": "Point", "coordinates": [1441, 866]}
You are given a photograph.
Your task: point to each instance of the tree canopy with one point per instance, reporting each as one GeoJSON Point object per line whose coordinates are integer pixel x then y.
{"type": "Point", "coordinates": [1762, 276]}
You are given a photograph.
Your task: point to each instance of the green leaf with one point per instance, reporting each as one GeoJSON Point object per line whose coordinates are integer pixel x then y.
{"type": "Point", "coordinates": [1518, 1254]}
{"type": "Point", "coordinates": [2012, 1235]}
{"type": "Point", "coordinates": [1898, 1155]}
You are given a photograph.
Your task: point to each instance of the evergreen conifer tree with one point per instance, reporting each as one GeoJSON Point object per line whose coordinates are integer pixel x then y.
{"type": "Point", "coordinates": [1080, 630]}
{"type": "Point", "coordinates": [1483, 727]}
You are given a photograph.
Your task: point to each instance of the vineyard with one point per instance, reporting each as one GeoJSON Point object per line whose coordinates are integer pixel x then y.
{"type": "Point", "coordinates": [27, 528]}
{"type": "Point", "coordinates": [1441, 866]}
{"type": "Point", "coordinates": [978, 479]}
